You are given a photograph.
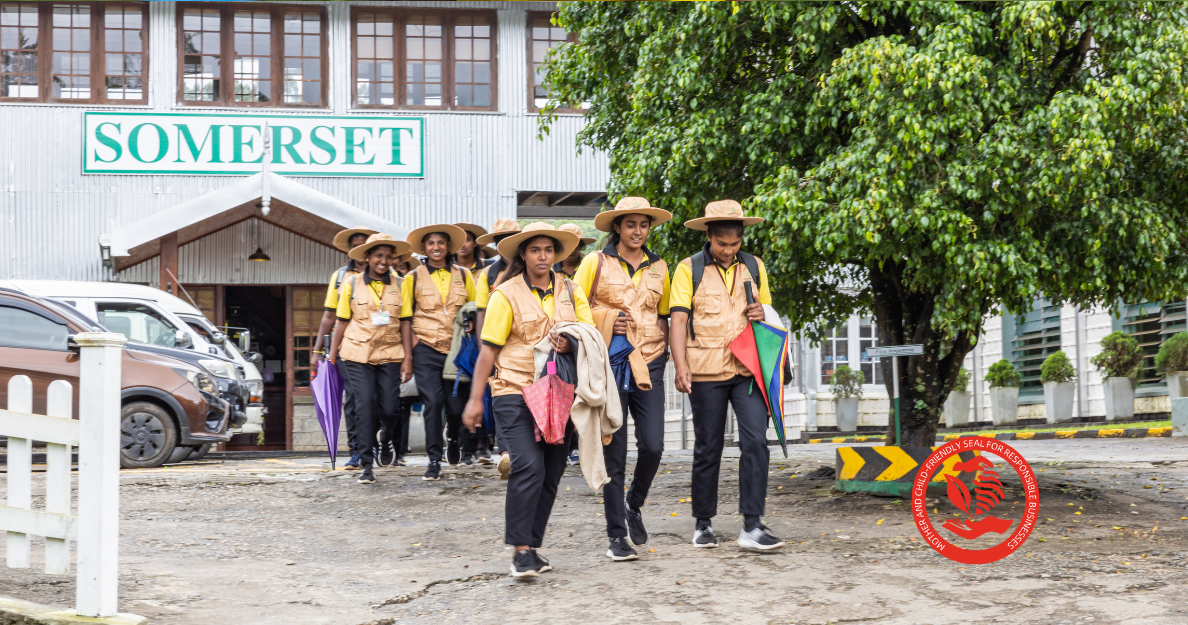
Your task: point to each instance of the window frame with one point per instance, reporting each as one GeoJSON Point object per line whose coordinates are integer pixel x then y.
{"type": "Point", "coordinates": [571, 38]}
{"type": "Point", "coordinates": [227, 55]}
{"type": "Point", "coordinates": [98, 52]}
{"type": "Point", "coordinates": [400, 16]}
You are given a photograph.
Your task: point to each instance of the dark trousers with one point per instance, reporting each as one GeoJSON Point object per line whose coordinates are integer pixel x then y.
{"type": "Point", "coordinates": [647, 411]}
{"type": "Point", "coordinates": [406, 404]}
{"type": "Point", "coordinates": [377, 393]}
{"type": "Point", "coordinates": [455, 431]}
{"type": "Point", "coordinates": [348, 416]}
{"type": "Point", "coordinates": [427, 366]}
{"type": "Point", "coordinates": [708, 400]}
{"type": "Point", "coordinates": [536, 470]}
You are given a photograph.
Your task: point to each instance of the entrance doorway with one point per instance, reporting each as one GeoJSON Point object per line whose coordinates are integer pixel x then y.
{"type": "Point", "coordinates": [261, 310]}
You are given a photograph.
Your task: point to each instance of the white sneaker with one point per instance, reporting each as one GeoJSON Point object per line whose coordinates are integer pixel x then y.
{"type": "Point", "coordinates": [759, 538]}
{"type": "Point", "coordinates": [504, 466]}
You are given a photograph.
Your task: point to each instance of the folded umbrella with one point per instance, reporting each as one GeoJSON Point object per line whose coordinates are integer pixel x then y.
{"type": "Point", "coordinates": [763, 350]}
{"type": "Point", "coordinates": [327, 392]}
{"type": "Point", "coordinates": [550, 400]}
{"type": "Point", "coordinates": [619, 351]}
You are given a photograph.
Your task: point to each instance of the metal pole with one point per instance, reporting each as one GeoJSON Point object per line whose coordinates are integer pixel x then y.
{"type": "Point", "coordinates": [895, 396]}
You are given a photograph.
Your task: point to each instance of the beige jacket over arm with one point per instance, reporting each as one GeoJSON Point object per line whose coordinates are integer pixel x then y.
{"type": "Point", "coordinates": [596, 413]}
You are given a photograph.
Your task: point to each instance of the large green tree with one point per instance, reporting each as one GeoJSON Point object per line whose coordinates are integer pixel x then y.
{"type": "Point", "coordinates": [926, 161]}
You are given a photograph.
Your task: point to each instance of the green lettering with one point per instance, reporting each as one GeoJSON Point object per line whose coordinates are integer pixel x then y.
{"type": "Point", "coordinates": [279, 145]}
{"type": "Point", "coordinates": [134, 143]}
{"type": "Point", "coordinates": [323, 145]}
{"type": "Point", "coordinates": [238, 143]}
{"type": "Point", "coordinates": [396, 142]}
{"type": "Point", "coordinates": [351, 146]}
{"type": "Point", "coordinates": [109, 142]}
{"type": "Point", "coordinates": [184, 138]}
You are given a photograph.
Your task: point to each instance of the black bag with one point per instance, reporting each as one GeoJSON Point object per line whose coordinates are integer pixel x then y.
{"type": "Point", "coordinates": [566, 366]}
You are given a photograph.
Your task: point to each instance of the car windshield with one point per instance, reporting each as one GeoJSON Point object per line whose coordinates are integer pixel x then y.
{"type": "Point", "coordinates": [138, 322]}
{"type": "Point", "coordinates": [206, 331]}
{"type": "Point", "coordinates": [67, 310]}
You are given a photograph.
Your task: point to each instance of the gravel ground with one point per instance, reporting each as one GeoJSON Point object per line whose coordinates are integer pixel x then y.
{"type": "Point", "coordinates": [287, 541]}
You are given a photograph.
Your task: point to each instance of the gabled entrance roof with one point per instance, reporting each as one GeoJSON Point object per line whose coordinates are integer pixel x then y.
{"type": "Point", "coordinates": [294, 207]}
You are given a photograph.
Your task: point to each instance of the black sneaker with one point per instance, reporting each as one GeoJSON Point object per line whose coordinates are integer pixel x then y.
{"type": "Point", "coordinates": [704, 537]}
{"type": "Point", "coordinates": [434, 472]}
{"type": "Point", "coordinates": [637, 534]}
{"type": "Point", "coordinates": [387, 455]}
{"type": "Point", "coordinates": [759, 538]}
{"type": "Point", "coordinates": [453, 453]}
{"type": "Point", "coordinates": [367, 477]}
{"type": "Point", "coordinates": [468, 459]}
{"type": "Point", "coordinates": [620, 551]}
{"type": "Point", "coordinates": [401, 462]}
{"type": "Point", "coordinates": [524, 564]}
{"type": "Point", "coordinates": [542, 565]}
{"type": "Point", "coordinates": [484, 457]}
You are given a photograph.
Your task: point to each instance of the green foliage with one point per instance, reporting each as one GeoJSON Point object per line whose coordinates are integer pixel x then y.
{"type": "Point", "coordinates": [942, 158]}
{"type": "Point", "coordinates": [961, 384]}
{"type": "Point", "coordinates": [1120, 356]}
{"type": "Point", "coordinates": [846, 382]}
{"type": "Point", "coordinates": [1002, 374]}
{"type": "Point", "coordinates": [1057, 368]}
{"type": "Point", "coordinates": [1173, 354]}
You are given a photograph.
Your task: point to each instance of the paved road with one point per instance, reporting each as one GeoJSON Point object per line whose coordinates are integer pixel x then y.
{"type": "Point", "coordinates": [286, 541]}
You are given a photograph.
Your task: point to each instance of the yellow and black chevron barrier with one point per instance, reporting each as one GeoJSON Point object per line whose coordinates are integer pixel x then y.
{"type": "Point", "coordinates": [890, 470]}
{"type": "Point", "coordinates": [1020, 436]}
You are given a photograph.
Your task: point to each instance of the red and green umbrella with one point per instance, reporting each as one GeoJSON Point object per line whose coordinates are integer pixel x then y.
{"type": "Point", "coordinates": [763, 349]}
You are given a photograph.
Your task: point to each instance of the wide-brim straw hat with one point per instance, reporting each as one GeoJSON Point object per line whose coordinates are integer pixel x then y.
{"type": "Point", "coordinates": [577, 230]}
{"type": "Point", "coordinates": [722, 210]}
{"type": "Point", "coordinates": [509, 247]}
{"type": "Point", "coordinates": [474, 229]}
{"type": "Point", "coordinates": [342, 240]}
{"type": "Point", "coordinates": [360, 253]}
{"type": "Point", "coordinates": [503, 225]}
{"type": "Point", "coordinates": [490, 253]}
{"type": "Point", "coordinates": [413, 261]}
{"type": "Point", "coordinates": [605, 220]}
{"type": "Point", "coordinates": [457, 237]}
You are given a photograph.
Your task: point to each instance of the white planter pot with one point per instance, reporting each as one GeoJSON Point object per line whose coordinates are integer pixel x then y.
{"type": "Point", "coordinates": [1179, 416]}
{"type": "Point", "coordinates": [1004, 405]}
{"type": "Point", "coordinates": [847, 414]}
{"type": "Point", "coordinates": [1119, 398]}
{"type": "Point", "coordinates": [1058, 401]}
{"type": "Point", "coordinates": [1177, 384]}
{"type": "Point", "coordinates": [957, 408]}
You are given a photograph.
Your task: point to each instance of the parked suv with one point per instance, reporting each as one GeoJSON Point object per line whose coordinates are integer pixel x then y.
{"type": "Point", "coordinates": [167, 403]}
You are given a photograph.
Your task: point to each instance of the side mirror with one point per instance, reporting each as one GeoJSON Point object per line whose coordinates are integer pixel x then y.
{"type": "Point", "coordinates": [71, 345]}
{"type": "Point", "coordinates": [182, 339]}
{"type": "Point", "coordinates": [218, 337]}
{"type": "Point", "coordinates": [245, 341]}
{"type": "Point", "coordinates": [255, 357]}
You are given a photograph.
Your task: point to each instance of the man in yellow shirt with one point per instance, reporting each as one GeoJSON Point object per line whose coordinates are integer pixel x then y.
{"type": "Point", "coordinates": [708, 312]}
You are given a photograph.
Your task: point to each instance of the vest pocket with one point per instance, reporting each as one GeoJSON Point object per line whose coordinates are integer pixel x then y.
{"type": "Point", "coordinates": [709, 301]}
{"type": "Point", "coordinates": [357, 334]}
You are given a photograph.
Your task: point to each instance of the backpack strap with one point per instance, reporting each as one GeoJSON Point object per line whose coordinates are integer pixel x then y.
{"type": "Point", "coordinates": [338, 279]}
{"type": "Point", "coordinates": [753, 267]}
{"type": "Point", "coordinates": [594, 285]}
{"type": "Point", "coordinates": [697, 265]}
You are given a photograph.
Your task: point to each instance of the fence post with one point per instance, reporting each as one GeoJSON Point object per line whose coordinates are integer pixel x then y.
{"type": "Point", "coordinates": [99, 473]}
{"type": "Point", "coordinates": [59, 400]}
{"type": "Point", "coordinates": [20, 470]}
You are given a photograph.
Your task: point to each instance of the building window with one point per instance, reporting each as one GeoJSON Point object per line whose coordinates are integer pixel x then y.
{"type": "Point", "coordinates": [543, 36]}
{"type": "Point", "coordinates": [424, 59]}
{"type": "Point", "coordinates": [868, 337]}
{"type": "Point", "coordinates": [835, 350]}
{"type": "Point", "coordinates": [1028, 340]}
{"type": "Point", "coordinates": [1151, 324]}
{"type": "Point", "coordinates": [260, 55]}
{"type": "Point", "coordinates": [82, 52]}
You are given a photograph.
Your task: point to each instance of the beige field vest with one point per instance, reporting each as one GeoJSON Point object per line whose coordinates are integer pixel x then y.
{"type": "Point", "coordinates": [616, 290]}
{"type": "Point", "coordinates": [718, 317]}
{"type": "Point", "coordinates": [516, 363]}
{"type": "Point", "coordinates": [362, 342]}
{"type": "Point", "coordinates": [433, 319]}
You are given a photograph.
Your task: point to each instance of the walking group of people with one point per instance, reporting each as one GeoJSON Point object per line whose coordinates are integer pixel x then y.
{"type": "Point", "coordinates": [397, 318]}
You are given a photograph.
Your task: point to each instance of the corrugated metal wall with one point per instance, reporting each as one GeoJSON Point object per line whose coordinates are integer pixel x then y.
{"type": "Point", "coordinates": [51, 216]}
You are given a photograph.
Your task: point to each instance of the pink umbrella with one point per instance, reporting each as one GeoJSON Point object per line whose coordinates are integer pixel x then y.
{"type": "Point", "coordinates": [550, 399]}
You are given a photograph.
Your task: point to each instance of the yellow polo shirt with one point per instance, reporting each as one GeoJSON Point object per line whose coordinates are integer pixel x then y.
{"type": "Point", "coordinates": [441, 279]}
{"type": "Point", "coordinates": [498, 323]}
{"type": "Point", "coordinates": [682, 284]}
{"type": "Point", "coordinates": [589, 268]}
{"type": "Point", "coordinates": [482, 289]}
{"type": "Point", "coordinates": [332, 290]}
{"type": "Point", "coordinates": [344, 302]}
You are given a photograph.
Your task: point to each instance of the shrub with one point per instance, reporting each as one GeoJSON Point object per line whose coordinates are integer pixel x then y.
{"type": "Point", "coordinates": [1002, 374]}
{"type": "Point", "coordinates": [1173, 354]}
{"type": "Point", "coordinates": [961, 384]}
{"type": "Point", "coordinates": [1120, 356]}
{"type": "Point", "coordinates": [846, 382]}
{"type": "Point", "coordinates": [1057, 368]}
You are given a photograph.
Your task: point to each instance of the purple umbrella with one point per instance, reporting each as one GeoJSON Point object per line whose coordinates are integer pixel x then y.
{"type": "Point", "coordinates": [327, 392]}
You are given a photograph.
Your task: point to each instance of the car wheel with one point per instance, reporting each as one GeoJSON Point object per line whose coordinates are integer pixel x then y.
{"type": "Point", "coordinates": [200, 451]}
{"type": "Point", "coordinates": [147, 436]}
{"type": "Point", "coordinates": [180, 453]}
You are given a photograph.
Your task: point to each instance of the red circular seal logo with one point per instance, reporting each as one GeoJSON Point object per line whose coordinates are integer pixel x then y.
{"type": "Point", "coordinates": [974, 487]}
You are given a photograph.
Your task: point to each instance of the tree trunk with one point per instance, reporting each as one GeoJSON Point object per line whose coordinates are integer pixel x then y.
{"type": "Point", "coordinates": [905, 318]}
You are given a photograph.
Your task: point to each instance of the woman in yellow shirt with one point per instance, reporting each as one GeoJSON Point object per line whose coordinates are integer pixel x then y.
{"type": "Point", "coordinates": [521, 313]}
{"type": "Point", "coordinates": [367, 338]}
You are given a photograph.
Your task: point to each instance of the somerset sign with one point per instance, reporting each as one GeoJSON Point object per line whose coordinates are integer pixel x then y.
{"type": "Point", "coordinates": [234, 144]}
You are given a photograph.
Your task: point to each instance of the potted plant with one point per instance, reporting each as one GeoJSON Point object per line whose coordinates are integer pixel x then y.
{"type": "Point", "coordinates": [1172, 363]}
{"type": "Point", "coordinates": [1004, 392]}
{"type": "Point", "coordinates": [1119, 362]}
{"type": "Point", "coordinates": [1057, 375]}
{"type": "Point", "coordinates": [847, 390]}
{"type": "Point", "coordinates": [957, 404]}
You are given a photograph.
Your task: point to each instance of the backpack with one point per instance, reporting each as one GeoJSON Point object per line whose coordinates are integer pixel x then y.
{"type": "Point", "coordinates": [698, 263]}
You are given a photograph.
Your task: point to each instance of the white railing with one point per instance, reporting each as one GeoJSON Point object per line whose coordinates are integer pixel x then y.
{"type": "Point", "coordinates": [97, 435]}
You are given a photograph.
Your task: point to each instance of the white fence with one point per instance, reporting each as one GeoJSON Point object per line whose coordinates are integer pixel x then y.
{"type": "Point", "coordinates": [97, 435]}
